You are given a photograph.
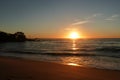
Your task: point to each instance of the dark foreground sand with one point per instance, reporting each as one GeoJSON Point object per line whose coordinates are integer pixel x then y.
{"type": "Point", "coordinates": [19, 69]}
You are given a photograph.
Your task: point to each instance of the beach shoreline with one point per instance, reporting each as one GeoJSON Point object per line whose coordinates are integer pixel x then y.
{"type": "Point", "coordinates": [23, 69]}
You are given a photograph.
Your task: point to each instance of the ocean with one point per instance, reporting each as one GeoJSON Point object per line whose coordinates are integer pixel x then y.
{"type": "Point", "coordinates": [95, 53]}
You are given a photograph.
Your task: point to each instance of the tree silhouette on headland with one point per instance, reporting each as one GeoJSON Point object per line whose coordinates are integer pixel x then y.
{"type": "Point", "coordinates": [19, 36]}
{"type": "Point", "coordinates": [7, 37]}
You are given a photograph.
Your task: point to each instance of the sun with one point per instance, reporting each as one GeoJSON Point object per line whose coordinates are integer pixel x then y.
{"type": "Point", "coordinates": [74, 35]}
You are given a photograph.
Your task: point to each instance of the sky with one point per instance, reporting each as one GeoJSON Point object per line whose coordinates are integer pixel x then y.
{"type": "Point", "coordinates": [57, 18]}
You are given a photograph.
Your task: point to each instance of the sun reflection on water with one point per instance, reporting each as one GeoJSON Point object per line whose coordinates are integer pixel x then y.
{"type": "Point", "coordinates": [74, 45]}
{"type": "Point", "coordinates": [72, 61]}
{"type": "Point", "coordinates": [73, 64]}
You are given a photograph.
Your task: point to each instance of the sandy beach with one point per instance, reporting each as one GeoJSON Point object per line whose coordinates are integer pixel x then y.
{"type": "Point", "coordinates": [21, 69]}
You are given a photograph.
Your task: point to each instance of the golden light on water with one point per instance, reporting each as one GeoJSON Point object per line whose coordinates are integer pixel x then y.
{"type": "Point", "coordinates": [74, 46]}
{"type": "Point", "coordinates": [73, 64]}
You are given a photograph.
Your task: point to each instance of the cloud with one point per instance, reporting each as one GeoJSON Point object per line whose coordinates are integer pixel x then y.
{"type": "Point", "coordinates": [80, 22]}
{"type": "Point", "coordinates": [86, 20]}
{"type": "Point", "coordinates": [113, 17]}
{"type": "Point", "coordinates": [2, 25]}
{"type": "Point", "coordinates": [93, 16]}
{"type": "Point", "coordinates": [71, 28]}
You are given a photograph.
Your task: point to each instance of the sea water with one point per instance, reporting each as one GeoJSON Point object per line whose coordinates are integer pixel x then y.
{"type": "Point", "coordinates": [96, 53]}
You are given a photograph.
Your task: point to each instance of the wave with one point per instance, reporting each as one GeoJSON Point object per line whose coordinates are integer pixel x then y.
{"type": "Point", "coordinates": [61, 54]}
{"type": "Point", "coordinates": [103, 49]}
{"type": "Point", "coordinates": [109, 49]}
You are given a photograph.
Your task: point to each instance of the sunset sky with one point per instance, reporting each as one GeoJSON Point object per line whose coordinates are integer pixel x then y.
{"type": "Point", "coordinates": [57, 18]}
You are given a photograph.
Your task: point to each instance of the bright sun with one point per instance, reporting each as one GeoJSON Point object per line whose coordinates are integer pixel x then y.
{"type": "Point", "coordinates": [74, 35]}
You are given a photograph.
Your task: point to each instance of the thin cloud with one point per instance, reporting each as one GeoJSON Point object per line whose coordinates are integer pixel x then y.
{"type": "Point", "coordinates": [80, 22]}
{"type": "Point", "coordinates": [93, 16]}
{"type": "Point", "coordinates": [2, 25]}
{"type": "Point", "coordinates": [113, 17]}
{"type": "Point", "coordinates": [87, 20]}
{"type": "Point", "coordinates": [71, 28]}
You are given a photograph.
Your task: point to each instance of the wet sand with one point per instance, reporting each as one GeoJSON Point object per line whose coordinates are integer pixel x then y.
{"type": "Point", "coordinates": [21, 69]}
